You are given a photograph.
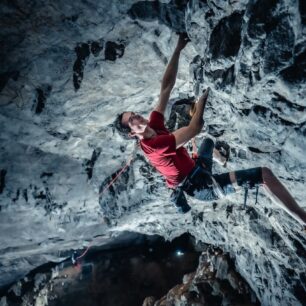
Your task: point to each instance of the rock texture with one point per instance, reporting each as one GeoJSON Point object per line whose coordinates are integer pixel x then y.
{"type": "Point", "coordinates": [69, 67]}
{"type": "Point", "coordinates": [214, 282]}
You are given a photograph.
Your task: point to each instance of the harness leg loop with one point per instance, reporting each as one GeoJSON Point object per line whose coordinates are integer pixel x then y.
{"type": "Point", "coordinates": [246, 189]}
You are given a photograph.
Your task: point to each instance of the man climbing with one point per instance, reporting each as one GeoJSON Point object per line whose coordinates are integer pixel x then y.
{"type": "Point", "coordinates": [166, 153]}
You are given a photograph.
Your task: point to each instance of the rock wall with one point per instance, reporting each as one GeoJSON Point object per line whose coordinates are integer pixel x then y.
{"type": "Point", "coordinates": [69, 67]}
{"type": "Point", "coordinates": [214, 282]}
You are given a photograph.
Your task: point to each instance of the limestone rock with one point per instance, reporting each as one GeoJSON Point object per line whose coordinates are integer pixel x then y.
{"type": "Point", "coordinates": [69, 67]}
{"type": "Point", "coordinates": [214, 283]}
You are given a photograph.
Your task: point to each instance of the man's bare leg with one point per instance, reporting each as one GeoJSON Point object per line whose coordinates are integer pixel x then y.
{"type": "Point", "coordinates": [278, 192]}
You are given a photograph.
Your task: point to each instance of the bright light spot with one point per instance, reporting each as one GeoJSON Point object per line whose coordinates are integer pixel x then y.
{"type": "Point", "coordinates": [179, 253]}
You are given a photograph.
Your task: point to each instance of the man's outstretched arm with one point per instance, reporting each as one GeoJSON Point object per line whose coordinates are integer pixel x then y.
{"type": "Point", "coordinates": [186, 133]}
{"type": "Point", "coordinates": [170, 74]}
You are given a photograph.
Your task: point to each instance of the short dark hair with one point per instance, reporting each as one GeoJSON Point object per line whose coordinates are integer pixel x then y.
{"type": "Point", "coordinates": [122, 129]}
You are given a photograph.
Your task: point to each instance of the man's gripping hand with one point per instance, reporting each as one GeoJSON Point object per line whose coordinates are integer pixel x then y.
{"type": "Point", "coordinates": [205, 93]}
{"type": "Point", "coordinates": [182, 41]}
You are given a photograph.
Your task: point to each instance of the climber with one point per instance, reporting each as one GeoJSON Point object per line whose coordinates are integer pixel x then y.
{"type": "Point", "coordinates": [167, 154]}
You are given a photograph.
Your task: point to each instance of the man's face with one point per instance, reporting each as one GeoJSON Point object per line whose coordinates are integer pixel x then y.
{"type": "Point", "coordinates": [135, 121]}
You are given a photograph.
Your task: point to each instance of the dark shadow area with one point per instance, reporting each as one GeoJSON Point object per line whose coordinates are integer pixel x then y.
{"type": "Point", "coordinates": [125, 276]}
{"type": "Point", "coordinates": [113, 50]}
{"type": "Point", "coordinates": [296, 73]}
{"type": "Point", "coordinates": [302, 7]}
{"type": "Point", "coordinates": [122, 273]}
{"type": "Point", "coordinates": [133, 270]}
{"type": "Point", "coordinates": [171, 14]}
{"type": "Point", "coordinates": [4, 77]}
{"type": "Point", "coordinates": [89, 164]}
{"type": "Point", "coordinates": [42, 93]}
{"type": "Point", "coordinates": [261, 17]}
{"type": "Point", "coordinates": [2, 179]}
{"type": "Point", "coordinates": [225, 38]}
{"type": "Point", "coordinates": [82, 51]}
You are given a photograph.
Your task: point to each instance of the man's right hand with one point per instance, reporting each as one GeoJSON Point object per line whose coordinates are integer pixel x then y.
{"type": "Point", "coordinates": [204, 96]}
{"type": "Point", "coordinates": [182, 41]}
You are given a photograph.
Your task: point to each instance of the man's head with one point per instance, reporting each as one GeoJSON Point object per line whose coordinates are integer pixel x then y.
{"type": "Point", "coordinates": [130, 124]}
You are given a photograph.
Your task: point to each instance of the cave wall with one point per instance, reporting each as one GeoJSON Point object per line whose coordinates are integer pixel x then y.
{"type": "Point", "coordinates": [69, 67]}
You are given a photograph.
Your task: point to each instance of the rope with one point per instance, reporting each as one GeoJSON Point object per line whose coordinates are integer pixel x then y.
{"type": "Point", "coordinates": [75, 260]}
{"type": "Point", "coordinates": [84, 253]}
{"type": "Point", "coordinates": [114, 179]}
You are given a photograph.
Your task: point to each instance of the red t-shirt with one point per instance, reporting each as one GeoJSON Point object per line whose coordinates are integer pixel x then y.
{"type": "Point", "coordinates": [174, 164]}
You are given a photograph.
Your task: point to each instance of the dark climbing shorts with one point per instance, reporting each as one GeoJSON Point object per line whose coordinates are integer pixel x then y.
{"type": "Point", "coordinates": [203, 185]}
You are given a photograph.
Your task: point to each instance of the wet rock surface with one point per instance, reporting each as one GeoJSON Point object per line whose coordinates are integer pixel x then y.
{"type": "Point", "coordinates": [67, 70]}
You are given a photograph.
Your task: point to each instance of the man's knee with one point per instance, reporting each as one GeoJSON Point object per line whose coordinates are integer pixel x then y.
{"type": "Point", "coordinates": [267, 174]}
{"type": "Point", "coordinates": [209, 142]}
{"type": "Point", "coordinates": [207, 147]}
